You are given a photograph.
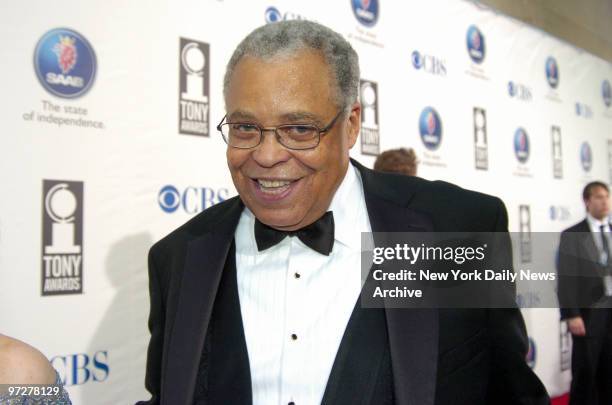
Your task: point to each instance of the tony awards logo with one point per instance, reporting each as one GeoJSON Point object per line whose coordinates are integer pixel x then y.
{"type": "Point", "coordinates": [370, 136]}
{"type": "Point", "coordinates": [555, 133]}
{"type": "Point", "coordinates": [194, 79]}
{"type": "Point", "coordinates": [525, 233]}
{"type": "Point", "coordinates": [481, 155]}
{"type": "Point", "coordinates": [62, 258]}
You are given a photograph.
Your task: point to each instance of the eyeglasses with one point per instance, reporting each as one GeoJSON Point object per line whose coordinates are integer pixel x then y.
{"type": "Point", "coordinates": [244, 135]}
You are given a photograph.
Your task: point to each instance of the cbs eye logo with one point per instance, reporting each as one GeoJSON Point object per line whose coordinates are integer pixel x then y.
{"type": "Point", "coordinates": [169, 199]}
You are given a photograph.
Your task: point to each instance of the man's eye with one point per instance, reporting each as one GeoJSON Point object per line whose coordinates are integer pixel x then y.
{"type": "Point", "coordinates": [299, 130]}
{"type": "Point", "coordinates": [245, 128]}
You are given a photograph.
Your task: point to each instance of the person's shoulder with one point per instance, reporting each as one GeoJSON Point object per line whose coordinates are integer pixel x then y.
{"type": "Point", "coordinates": [464, 209]}
{"type": "Point", "coordinates": [436, 190]}
{"type": "Point", "coordinates": [21, 363]}
{"type": "Point", "coordinates": [449, 206]}
{"type": "Point", "coordinates": [440, 194]}
{"type": "Point", "coordinates": [198, 225]}
{"type": "Point", "coordinates": [456, 193]}
{"type": "Point", "coordinates": [582, 226]}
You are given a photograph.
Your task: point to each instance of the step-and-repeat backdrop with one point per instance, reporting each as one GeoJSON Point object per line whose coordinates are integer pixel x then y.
{"type": "Point", "coordinates": [108, 143]}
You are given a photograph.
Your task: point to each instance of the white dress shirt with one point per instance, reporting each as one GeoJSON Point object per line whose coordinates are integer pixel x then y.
{"type": "Point", "coordinates": [595, 227]}
{"type": "Point", "coordinates": [296, 303]}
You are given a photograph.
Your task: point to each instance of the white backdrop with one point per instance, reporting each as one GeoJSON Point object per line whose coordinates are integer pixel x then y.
{"type": "Point", "coordinates": [83, 201]}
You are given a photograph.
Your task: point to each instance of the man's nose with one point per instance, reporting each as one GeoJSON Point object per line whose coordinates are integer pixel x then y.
{"type": "Point", "coordinates": [270, 152]}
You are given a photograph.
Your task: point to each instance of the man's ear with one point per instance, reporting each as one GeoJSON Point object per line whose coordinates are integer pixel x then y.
{"type": "Point", "coordinates": [354, 123]}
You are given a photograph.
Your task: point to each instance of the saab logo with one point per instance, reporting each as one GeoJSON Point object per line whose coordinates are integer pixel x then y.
{"type": "Point", "coordinates": [428, 63]}
{"type": "Point", "coordinates": [192, 199]}
{"type": "Point", "coordinates": [586, 157]}
{"type": "Point", "coordinates": [606, 93]}
{"type": "Point", "coordinates": [525, 233]}
{"type": "Point", "coordinates": [481, 154]}
{"type": "Point", "coordinates": [273, 15]}
{"type": "Point", "coordinates": [519, 91]}
{"type": "Point", "coordinates": [430, 128]}
{"type": "Point", "coordinates": [370, 135]}
{"type": "Point", "coordinates": [559, 213]}
{"type": "Point", "coordinates": [552, 72]}
{"type": "Point", "coordinates": [194, 79]}
{"type": "Point", "coordinates": [583, 110]}
{"type": "Point", "coordinates": [62, 247]}
{"type": "Point", "coordinates": [366, 11]}
{"type": "Point", "coordinates": [81, 368]}
{"type": "Point", "coordinates": [565, 338]}
{"type": "Point", "coordinates": [475, 44]}
{"type": "Point", "coordinates": [531, 353]}
{"type": "Point", "coordinates": [65, 63]}
{"type": "Point", "coordinates": [521, 145]}
{"type": "Point", "coordinates": [557, 154]}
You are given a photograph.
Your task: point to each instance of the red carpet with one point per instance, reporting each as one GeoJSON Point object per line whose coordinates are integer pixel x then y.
{"type": "Point", "coordinates": [562, 400]}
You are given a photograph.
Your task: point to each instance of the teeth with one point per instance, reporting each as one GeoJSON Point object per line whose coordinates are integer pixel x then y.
{"type": "Point", "coordinates": [273, 183]}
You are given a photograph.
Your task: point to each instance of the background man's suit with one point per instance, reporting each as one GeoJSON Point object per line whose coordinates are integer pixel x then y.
{"type": "Point", "coordinates": [474, 356]}
{"type": "Point", "coordinates": [580, 287]}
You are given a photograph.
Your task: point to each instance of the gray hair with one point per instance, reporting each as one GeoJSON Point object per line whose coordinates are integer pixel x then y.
{"type": "Point", "coordinates": [285, 38]}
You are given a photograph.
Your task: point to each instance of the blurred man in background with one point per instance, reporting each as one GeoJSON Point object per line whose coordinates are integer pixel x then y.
{"type": "Point", "coordinates": [401, 160]}
{"type": "Point", "coordinates": [585, 282]}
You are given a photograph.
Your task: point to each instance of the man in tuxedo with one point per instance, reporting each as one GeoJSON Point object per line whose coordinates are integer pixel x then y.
{"type": "Point", "coordinates": [256, 300]}
{"type": "Point", "coordinates": [585, 283]}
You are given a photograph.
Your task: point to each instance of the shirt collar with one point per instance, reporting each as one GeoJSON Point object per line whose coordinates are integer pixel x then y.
{"type": "Point", "coordinates": [350, 212]}
{"type": "Point", "coordinates": [595, 223]}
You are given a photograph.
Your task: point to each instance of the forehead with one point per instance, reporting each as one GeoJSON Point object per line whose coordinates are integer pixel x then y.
{"type": "Point", "coordinates": [599, 191]}
{"type": "Point", "coordinates": [300, 81]}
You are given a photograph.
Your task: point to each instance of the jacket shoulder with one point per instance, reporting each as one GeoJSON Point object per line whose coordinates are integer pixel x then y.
{"type": "Point", "coordinates": [582, 226]}
{"type": "Point", "coordinates": [467, 209]}
{"type": "Point", "coordinates": [457, 194]}
{"type": "Point", "coordinates": [200, 224]}
{"type": "Point", "coordinates": [450, 207]}
{"type": "Point", "coordinates": [456, 208]}
{"type": "Point", "coordinates": [437, 191]}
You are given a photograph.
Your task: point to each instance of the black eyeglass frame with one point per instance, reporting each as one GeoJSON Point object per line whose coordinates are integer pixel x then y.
{"type": "Point", "coordinates": [320, 132]}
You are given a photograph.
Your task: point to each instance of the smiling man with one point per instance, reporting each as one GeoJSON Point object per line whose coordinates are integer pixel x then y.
{"type": "Point", "coordinates": [256, 300]}
{"type": "Point", "coordinates": [288, 178]}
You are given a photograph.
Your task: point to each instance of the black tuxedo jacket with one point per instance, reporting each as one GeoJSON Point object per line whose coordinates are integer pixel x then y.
{"type": "Point", "coordinates": [580, 284]}
{"type": "Point", "coordinates": [469, 356]}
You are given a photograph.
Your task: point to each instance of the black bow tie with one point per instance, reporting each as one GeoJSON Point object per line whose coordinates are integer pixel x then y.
{"type": "Point", "coordinates": [318, 236]}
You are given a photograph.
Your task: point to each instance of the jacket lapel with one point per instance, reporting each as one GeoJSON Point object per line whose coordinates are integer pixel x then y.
{"type": "Point", "coordinates": [204, 263]}
{"type": "Point", "coordinates": [588, 243]}
{"type": "Point", "coordinates": [413, 333]}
